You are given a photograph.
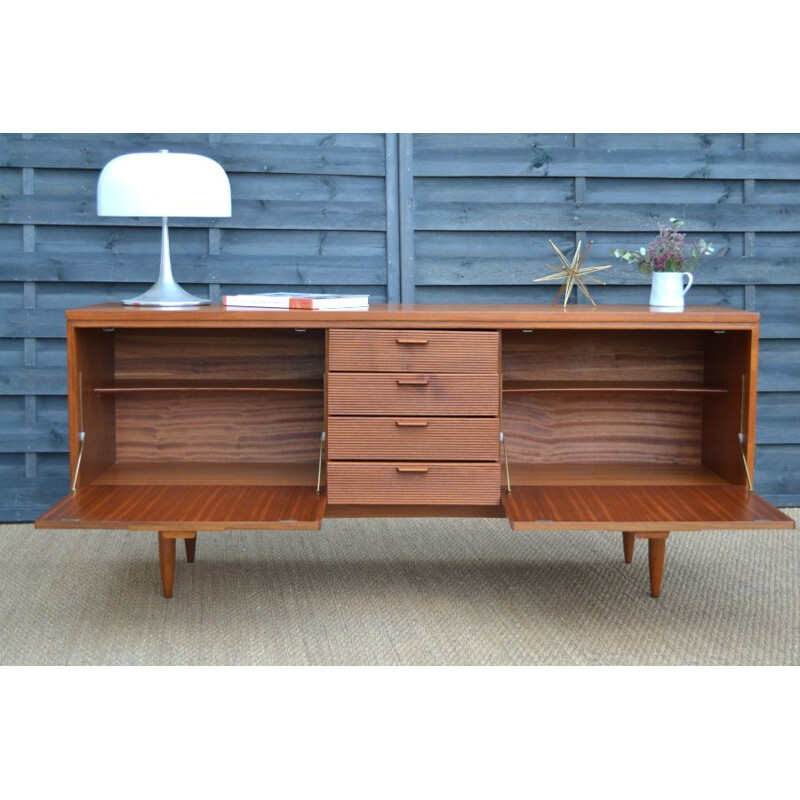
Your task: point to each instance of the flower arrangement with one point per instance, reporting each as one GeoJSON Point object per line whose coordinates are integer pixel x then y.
{"type": "Point", "coordinates": [668, 252]}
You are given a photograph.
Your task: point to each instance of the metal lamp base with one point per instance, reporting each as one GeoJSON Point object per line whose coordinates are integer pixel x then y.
{"type": "Point", "coordinates": [165, 291]}
{"type": "Point", "coordinates": [160, 294]}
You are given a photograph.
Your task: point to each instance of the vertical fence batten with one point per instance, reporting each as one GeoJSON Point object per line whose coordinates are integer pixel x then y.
{"type": "Point", "coordinates": [408, 278]}
{"type": "Point", "coordinates": [392, 219]}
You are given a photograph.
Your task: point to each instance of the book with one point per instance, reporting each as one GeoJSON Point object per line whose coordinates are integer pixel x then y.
{"type": "Point", "coordinates": [291, 300]}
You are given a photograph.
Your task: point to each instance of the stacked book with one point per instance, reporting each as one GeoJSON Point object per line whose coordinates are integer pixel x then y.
{"type": "Point", "coordinates": [292, 300]}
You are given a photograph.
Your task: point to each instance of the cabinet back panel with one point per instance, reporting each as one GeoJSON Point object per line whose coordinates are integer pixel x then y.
{"type": "Point", "coordinates": [224, 426]}
{"type": "Point", "coordinates": [226, 355]}
{"type": "Point", "coordinates": [603, 355]}
{"type": "Point", "coordinates": [561, 427]}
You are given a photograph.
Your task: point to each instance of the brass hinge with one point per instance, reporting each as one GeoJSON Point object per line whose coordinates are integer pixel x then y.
{"type": "Point", "coordinates": [319, 470]}
{"type": "Point", "coordinates": [505, 458]}
{"type": "Point", "coordinates": [81, 433]}
{"type": "Point", "coordinates": [742, 437]}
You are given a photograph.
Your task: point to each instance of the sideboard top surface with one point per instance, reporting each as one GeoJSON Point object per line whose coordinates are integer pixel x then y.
{"type": "Point", "coordinates": [428, 315]}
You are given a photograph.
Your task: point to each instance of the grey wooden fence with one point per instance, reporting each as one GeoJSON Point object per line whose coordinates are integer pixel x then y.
{"type": "Point", "coordinates": [425, 217]}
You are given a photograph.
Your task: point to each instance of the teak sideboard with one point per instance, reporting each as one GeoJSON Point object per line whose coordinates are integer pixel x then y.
{"type": "Point", "coordinates": [211, 418]}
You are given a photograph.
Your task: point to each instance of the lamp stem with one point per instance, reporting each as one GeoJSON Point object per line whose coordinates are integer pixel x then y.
{"type": "Point", "coordinates": [165, 292]}
{"type": "Point", "coordinates": [165, 274]}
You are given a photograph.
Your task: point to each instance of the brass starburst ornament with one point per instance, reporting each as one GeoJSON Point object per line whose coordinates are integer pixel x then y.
{"type": "Point", "coordinates": [573, 273]}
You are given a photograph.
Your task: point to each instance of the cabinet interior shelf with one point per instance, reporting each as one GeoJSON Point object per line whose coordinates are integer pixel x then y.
{"type": "Point", "coordinates": [520, 386]}
{"type": "Point", "coordinates": [122, 386]}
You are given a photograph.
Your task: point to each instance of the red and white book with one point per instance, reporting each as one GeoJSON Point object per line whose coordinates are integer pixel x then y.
{"type": "Point", "coordinates": [291, 300]}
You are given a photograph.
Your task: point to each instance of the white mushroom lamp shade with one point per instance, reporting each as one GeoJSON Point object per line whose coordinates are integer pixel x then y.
{"type": "Point", "coordinates": [163, 185]}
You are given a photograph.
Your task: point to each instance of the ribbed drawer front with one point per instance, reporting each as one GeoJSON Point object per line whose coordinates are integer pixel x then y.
{"type": "Point", "coordinates": [415, 483]}
{"type": "Point", "coordinates": [444, 439]}
{"type": "Point", "coordinates": [413, 394]}
{"type": "Point", "coordinates": [414, 351]}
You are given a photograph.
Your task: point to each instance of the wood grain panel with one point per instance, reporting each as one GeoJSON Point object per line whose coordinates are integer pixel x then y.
{"type": "Point", "coordinates": [604, 355]}
{"type": "Point", "coordinates": [91, 364]}
{"type": "Point", "coordinates": [572, 427]}
{"type": "Point", "coordinates": [417, 394]}
{"type": "Point", "coordinates": [192, 426]}
{"type": "Point", "coordinates": [610, 473]}
{"type": "Point", "coordinates": [472, 316]}
{"type": "Point", "coordinates": [395, 438]}
{"type": "Point", "coordinates": [219, 355]}
{"type": "Point", "coordinates": [415, 483]}
{"type": "Point", "coordinates": [528, 387]}
{"type": "Point", "coordinates": [728, 363]}
{"type": "Point", "coordinates": [209, 473]}
{"type": "Point", "coordinates": [188, 508]}
{"type": "Point", "coordinates": [639, 508]}
{"type": "Point", "coordinates": [413, 351]}
{"type": "Point", "coordinates": [211, 385]}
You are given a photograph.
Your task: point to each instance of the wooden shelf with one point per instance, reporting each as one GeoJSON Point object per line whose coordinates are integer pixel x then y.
{"type": "Point", "coordinates": [639, 508]}
{"type": "Point", "coordinates": [612, 474]}
{"type": "Point", "coordinates": [199, 473]}
{"type": "Point", "coordinates": [520, 386]}
{"type": "Point", "coordinates": [120, 386]}
{"type": "Point", "coordinates": [189, 508]}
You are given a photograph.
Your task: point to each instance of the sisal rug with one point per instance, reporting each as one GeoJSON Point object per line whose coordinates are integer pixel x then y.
{"type": "Point", "coordinates": [410, 592]}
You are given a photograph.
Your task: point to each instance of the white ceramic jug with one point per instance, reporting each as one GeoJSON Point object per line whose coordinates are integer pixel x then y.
{"type": "Point", "coordinates": [668, 289]}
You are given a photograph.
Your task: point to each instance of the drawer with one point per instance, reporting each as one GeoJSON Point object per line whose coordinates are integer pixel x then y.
{"type": "Point", "coordinates": [413, 351]}
{"type": "Point", "coordinates": [415, 483]}
{"type": "Point", "coordinates": [388, 393]}
{"type": "Point", "coordinates": [420, 438]}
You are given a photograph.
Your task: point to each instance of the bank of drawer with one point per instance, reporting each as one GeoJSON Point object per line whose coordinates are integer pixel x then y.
{"type": "Point", "coordinates": [395, 438]}
{"type": "Point", "coordinates": [413, 351]}
{"type": "Point", "coordinates": [388, 393]}
{"type": "Point", "coordinates": [414, 483]}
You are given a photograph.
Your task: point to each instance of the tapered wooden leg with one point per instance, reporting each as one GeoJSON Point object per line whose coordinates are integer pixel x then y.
{"type": "Point", "coordinates": [628, 542]}
{"type": "Point", "coordinates": [166, 560]}
{"type": "Point", "coordinates": [191, 547]}
{"type": "Point", "coordinates": [166, 555]}
{"type": "Point", "coordinates": [656, 551]}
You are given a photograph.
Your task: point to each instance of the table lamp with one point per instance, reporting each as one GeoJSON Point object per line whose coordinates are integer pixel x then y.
{"type": "Point", "coordinates": [163, 184]}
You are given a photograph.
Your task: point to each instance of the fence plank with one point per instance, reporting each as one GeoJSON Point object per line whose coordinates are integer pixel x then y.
{"type": "Point", "coordinates": [316, 154]}
{"type": "Point", "coordinates": [777, 418]}
{"type": "Point", "coordinates": [779, 367]}
{"type": "Point", "coordinates": [537, 160]}
{"type": "Point", "coordinates": [776, 469]}
{"type": "Point", "coordinates": [505, 271]}
{"type": "Point", "coordinates": [779, 307]}
{"type": "Point", "coordinates": [33, 380]}
{"type": "Point", "coordinates": [222, 268]}
{"type": "Point", "coordinates": [495, 215]}
{"type": "Point", "coordinates": [52, 437]}
{"type": "Point", "coordinates": [296, 215]}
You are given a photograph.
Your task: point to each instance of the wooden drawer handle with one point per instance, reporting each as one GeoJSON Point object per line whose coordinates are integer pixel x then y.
{"type": "Point", "coordinates": [412, 381]}
{"type": "Point", "coordinates": [412, 469]}
{"type": "Point", "coordinates": [412, 341]}
{"type": "Point", "coordinates": [411, 423]}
